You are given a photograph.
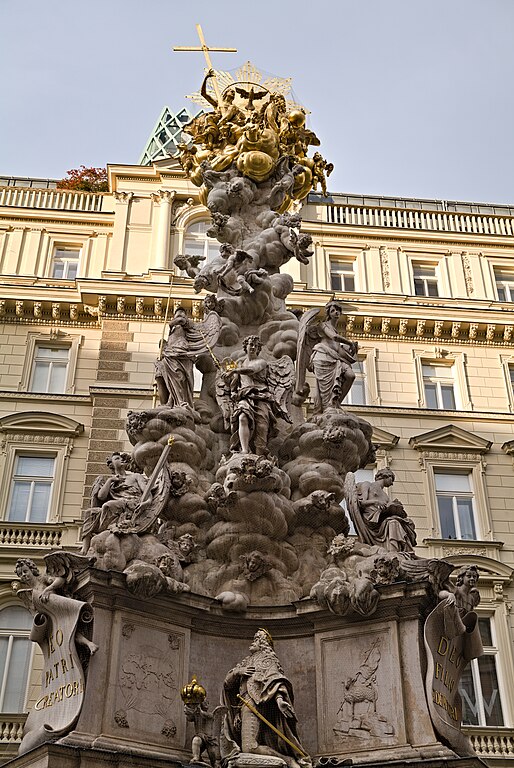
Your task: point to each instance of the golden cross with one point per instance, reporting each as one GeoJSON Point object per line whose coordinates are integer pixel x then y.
{"type": "Point", "coordinates": [206, 49]}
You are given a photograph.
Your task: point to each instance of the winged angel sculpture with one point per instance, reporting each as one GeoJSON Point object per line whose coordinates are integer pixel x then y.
{"type": "Point", "coordinates": [253, 396]}
{"type": "Point", "coordinates": [330, 356]}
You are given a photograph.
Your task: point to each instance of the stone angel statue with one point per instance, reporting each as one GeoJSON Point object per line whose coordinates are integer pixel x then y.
{"type": "Point", "coordinates": [186, 342]}
{"type": "Point", "coordinates": [330, 356]}
{"type": "Point", "coordinates": [253, 396]}
{"type": "Point", "coordinates": [379, 520]}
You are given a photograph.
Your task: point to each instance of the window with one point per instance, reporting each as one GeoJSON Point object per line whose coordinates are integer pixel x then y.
{"type": "Point", "coordinates": [504, 285]}
{"type": "Point", "coordinates": [481, 702]}
{"type": "Point", "coordinates": [65, 263]}
{"type": "Point", "coordinates": [50, 364]}
{"type": "Point", "coordinates": [342, 277]}
{"type": "Point", "coordinates": [196, 242]}
{"type": "Point", "coordinates": [15, 658]}
{"type": "Point", "coordinates": [455, 502]}
{"type": "Point", "coordinates": [31, 489]}
{"type": "Point", "coordinates": [425, 280]}
{"type": "Point", "coordinates": [439, 387]}
{"type": "Point", "coordinates": [49, 369]}
{"type": "Point", "coordinates": [357, 394]}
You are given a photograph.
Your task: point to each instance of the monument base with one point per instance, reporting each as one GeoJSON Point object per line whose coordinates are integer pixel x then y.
{"type": "Point", "coordinates": [358, 681]}
{"type": "Point", "coordinates": [65, 756]}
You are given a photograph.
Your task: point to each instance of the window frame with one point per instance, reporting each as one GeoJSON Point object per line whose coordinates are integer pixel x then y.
{"type": "Point", "coordinates": [62, 241]}
{"type": "Point", "coordinates": [52, 364]}
{"type": "Point", "coordinates": [439, 382]}
{"type": "Point", "coordinates": [63, 247]}
{"type": "Point", "coordinates": [199, 237]}
{"type": "Point", "coordinates": [16, 477]}
{"type": "Point", "coordinates": [32, 434]}
{"type": "Point", "coordinates": [473, 464]}
{"type": "Point", "coordinates": [507, 364]}
{"type": "Point", "coordinates": [502, 652]}
{"type": "Point", "coordinates": [5, 632]}
{"type": "Point", "coordinates": [436, 280]}
{"type": "Point", "coordinates": [353, 275]}
{"type": "Point", "coordinates": [368, 356]}
{"type": "Point", "coordinates": [64, 340]}
{"type": "Point", "coordinates": [437, 357]}
{"type": "Point", "coordinates": [454, 495]}
{"type": "Point", "coordinates": [497, 268]}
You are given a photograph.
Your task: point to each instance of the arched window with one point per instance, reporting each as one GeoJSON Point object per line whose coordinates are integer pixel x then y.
{"type": "Point", "coordinates": [196, 242]}
{"type": "Point", "coordinates": [15, 657]}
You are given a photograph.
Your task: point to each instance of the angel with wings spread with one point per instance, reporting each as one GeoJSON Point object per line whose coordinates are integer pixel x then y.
{"type": "Point", "coordinates": [329, 355]}
{"type": "Point", "coordinates": [253, 396]}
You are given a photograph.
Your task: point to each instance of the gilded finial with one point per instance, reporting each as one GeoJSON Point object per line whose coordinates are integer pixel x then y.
{"type": "Point", "coordinates": [193, 692]}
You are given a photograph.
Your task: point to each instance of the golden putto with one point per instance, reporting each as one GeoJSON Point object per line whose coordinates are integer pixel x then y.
{"type": "Point", "coordinates": [254, 128]}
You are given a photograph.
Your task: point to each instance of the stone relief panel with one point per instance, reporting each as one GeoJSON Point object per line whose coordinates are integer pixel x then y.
{"type": "Point", "coordinates": [359, 678]}
{"type": "Point", "coordinates": [149, 674]}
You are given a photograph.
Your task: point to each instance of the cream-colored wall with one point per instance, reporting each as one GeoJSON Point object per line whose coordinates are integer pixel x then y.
{"type": "Point", "coordinates": [127, 252]}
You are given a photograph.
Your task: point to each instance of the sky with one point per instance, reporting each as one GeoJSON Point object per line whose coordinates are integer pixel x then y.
{"type": "Point", "coordinates": [409, 98]}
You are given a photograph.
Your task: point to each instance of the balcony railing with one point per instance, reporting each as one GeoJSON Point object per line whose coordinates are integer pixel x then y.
{"type": "Point", "coordinates": [437, 221]}
{"type": "Point", "coordinates": [30, 534]}
{"type": "Point", "coordinates": [11, 728]}
{"type": "Point", "coordinates": [492, 742]}
{"type": "Point", "coordinates": [53, 199]}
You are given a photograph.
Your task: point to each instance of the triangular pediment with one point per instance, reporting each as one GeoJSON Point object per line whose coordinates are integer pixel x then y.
{"type": "Point", "coordinates": [450, 438]}
{"type": "Point", "coordinates": [38, 422]}
{"type": "Point", "coordinates": [383, 439]}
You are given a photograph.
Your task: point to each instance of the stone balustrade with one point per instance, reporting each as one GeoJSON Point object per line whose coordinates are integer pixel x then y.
{"type": "Point", "coordinates": [53, 199]}
{"type": "Point", "coordinates": [436, 221]}
{"type": "Point", "coordinates": [31, 534]}
{"type": "Point", "coordinates": [11, 728]}
{"type": "Point", "coordinates": [492, 742]}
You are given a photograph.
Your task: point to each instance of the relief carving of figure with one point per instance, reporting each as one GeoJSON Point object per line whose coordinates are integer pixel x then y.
{"type": "Point", "coordinates": [330, 356]}
{"type": "Point", "coordinates": [377, 519]}
{"type": "Point", "coordinates": [260, 680]}
{"type": "Point", "coordinates": [357, 714]}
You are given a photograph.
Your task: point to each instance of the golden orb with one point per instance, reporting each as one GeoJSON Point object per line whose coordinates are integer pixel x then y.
{"type": "Point", "coordinates": [193, 692]}
{"type": "Point", "coordinates": [296, 117]}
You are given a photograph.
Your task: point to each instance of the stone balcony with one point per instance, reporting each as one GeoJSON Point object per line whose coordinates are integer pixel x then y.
{"type": "Point", "coordinates": [492, 744]}
{"type": "Point", "coordinates": [52, 199]}
{"type": "Point", "coordinates": [413, 219]}
{"type": "Point", "coordinates": [11, 729]}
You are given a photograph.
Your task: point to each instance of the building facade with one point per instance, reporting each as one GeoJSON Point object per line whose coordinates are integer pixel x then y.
{"type": "Point", "coordinates": [87, 282]}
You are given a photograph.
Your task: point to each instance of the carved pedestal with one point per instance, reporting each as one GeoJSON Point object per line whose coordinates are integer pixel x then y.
{"type": "Point", "coordinates": [358, 682]}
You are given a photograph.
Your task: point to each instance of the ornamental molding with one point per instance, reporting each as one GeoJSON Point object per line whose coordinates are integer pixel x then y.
{"type": "Point", "coordinates": [123, 197]}
{"type": "Point", "coordinates": [404, 236]}
{"type": "Point", "coordinates": [450, 442]}
{"type": "Point", "coordinates": [468, 274]}
{"type": "Point", "coordinates": [40, 424]}
{"type": "Point", "coordinates": [384, 265]}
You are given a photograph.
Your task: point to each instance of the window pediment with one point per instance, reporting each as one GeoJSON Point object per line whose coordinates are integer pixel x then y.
{"type": "Point", "coordinates": [385, 440]}
{"type": "Point", "coordinates": [38, 423]}
{"type": "Point", "coordinates": [450, 439]}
